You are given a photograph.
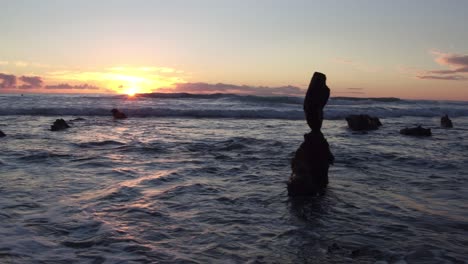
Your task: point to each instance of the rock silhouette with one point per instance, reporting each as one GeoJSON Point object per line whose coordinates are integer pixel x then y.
{"type": "Point", "coordinates": [2, 134]}
{"type": "Point", "coordinates": [77, 119]}
{"type": "Point", "coordinates": [363, 122]}
{"type": "Point", "coordinates": [446, 122]}
{"type": "Point", "coordinates": [315, 100]}
{"type": "Point", "coordinates": [117, 114]}
{"type": "Point", "coordinates": [416, 131]}
{"type": "Point", "coordinates": [313, 157]}
{"type": "Point", "coordinates": [58, 125]}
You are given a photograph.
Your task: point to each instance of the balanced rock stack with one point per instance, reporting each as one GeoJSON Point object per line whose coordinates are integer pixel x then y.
{"type": "Point", "coordinates": [312, 159]}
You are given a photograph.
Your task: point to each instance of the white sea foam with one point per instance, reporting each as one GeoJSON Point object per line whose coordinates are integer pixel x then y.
{"type": "Point", "coordinates": [222, 106]}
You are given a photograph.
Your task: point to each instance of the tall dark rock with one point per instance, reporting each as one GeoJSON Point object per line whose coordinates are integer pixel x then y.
{"type": "Point", "coordinates": [315, 100]}
{"type": "Point", "coordinates": [313, 157]}
{"type": "Point", "coordinates": [2, 134]}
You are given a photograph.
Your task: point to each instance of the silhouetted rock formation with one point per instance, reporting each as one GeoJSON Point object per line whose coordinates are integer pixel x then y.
{"type": "Point", "coordinates": [446, 122]}
{"type": "Point", "coordinates": [310, 166]}
{"type": "Point", "coordinates": [416, 131]}
{"type": "Point", "coordinates": [117, 114]}
{"type": "Point", "coordinates": [315, 100]}
{"type": "Point", "coordinates": [311, 161]}
{"type": "Point", "coordinates": [2, 134]}
{"type": "Point", "coordinates": [58, 125]}
{"type": "Point", "coordinates": [363, 122]}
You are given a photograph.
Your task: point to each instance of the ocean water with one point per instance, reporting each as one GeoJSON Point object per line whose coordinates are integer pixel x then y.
{"type": "Point", "coordinates": [202, 179]}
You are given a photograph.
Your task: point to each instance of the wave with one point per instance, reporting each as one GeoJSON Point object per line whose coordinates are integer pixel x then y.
{"type": "Point", "coordinates": [331, 112]}
{"type": "Point", "coordinates": [255, 98]}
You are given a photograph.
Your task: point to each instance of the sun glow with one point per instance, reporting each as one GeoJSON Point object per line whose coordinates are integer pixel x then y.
{"type": "Point", "coordinates": [122, 79]}
{"type": "Point", "coordinates": [131, 91]}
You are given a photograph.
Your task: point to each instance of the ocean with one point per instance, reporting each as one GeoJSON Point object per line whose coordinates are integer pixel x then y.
{"type": "Point", "coordinates": [202, 179]}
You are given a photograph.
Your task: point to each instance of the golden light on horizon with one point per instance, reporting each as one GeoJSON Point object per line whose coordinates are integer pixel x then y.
{"type": "Point", "coordinates": [123, 80]}
{"type": "Point", "coordinates": [131, 91]}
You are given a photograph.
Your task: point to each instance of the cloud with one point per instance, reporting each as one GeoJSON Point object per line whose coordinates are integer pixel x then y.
{"type": "Point", "coordinates": [201, 87]}
{"type": "Point", "coordinates": [457, 64]}
{"type": "Point", "coordinates": [444, 77]}
{"type": "Point", "coordinates": [30, 82]}
{"type": "Point", "coordinates": [66, 86]}
{"type": "Point", "coordinates": [7, 81]}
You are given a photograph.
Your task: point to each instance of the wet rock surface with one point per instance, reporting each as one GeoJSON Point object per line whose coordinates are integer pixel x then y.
{"type": "Point", "coordinates": [58, 125]}
{"type": "Point", "coordinates": [446, 122]}
{"type": "Point", "coordinates": [363, 122]}
{"type": "Point", "coordinates": [416, 131]}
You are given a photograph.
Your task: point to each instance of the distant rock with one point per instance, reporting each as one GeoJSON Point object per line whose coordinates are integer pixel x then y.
{"type": "Point", "coordinates": [310, 166]}
{"type": "Point", "coordinates": [76, 119]}
{"type": "Point", "coordinates": [363, 122]}
{"type": "Point", "coordinates": [58, 125]}
{"type": "Point", "coordinates": [416, 131]}
{"type": "Point", "coordinates": [446, 122]}
{"type": "Point", "coordinates": [2, 134]}
{"type": "Point", "coordinates": [117, 114]}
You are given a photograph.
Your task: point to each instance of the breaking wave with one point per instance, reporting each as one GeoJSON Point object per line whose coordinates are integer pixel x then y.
{"type": "Point", "coordinates": [222, 106]}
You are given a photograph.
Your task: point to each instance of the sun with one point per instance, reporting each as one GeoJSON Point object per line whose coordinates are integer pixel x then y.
{"type": "Point", "coordinates": [131, 91]}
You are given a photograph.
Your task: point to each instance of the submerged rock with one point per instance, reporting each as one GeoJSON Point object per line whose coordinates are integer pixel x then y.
{"type": "Point", "coordinates": [59, 124]}
{"type": "Point", "coordinates": [363, 122]}
{"type": "Point", "coordinates": [117, 114]}
{"type": "Point", "coordinates": [2, 134]}
{"type": "Point", "coordinates": [310, 166]}
{"type": "Point", "coordinates": [76, 119]}
{"type": "Point", "coordinates": [313, 157]}
{"type": "Point", "coordinates": [446, 122]}
{"type": "Point", "coordinates": [416, 131]}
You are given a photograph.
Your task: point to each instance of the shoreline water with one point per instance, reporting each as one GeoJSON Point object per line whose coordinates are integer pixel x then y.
{"type": "Point", "coordinates": [184, 190]}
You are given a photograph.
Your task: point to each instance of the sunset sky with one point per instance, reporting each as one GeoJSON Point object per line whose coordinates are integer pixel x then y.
{"type": "Point", "coordinates": [407, 49]}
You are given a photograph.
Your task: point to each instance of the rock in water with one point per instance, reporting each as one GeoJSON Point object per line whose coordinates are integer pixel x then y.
{"type": "Point", "coordinates": [363, 122]}
{"type": "Point", "coordinates": [117, 114]}
{"type": "Point", "coordinates": [310, 166]}
{"type": "Point", "coordinates": [311, 161]}
{"type": "Point", "coordinates": [446, 122]}
{"type": "Point", "coordinates": [315, 100]}
{"type": "Point", "coordinates": [58, 125]}
{"type": "Point", "coordinates": [416, 131]}
{"type": "Point", "coordinates": [2, 134]}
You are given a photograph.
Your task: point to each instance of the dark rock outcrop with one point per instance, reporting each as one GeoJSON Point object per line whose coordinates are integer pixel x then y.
{"type": "Point", "coordinates": [2, 134]}
{"type": "Point", "coordinates": [310, 166]}
{"type": "Point", "coordinates": [416, 131]}
{"type": "Point", "coordinates": [363, 122]}
{"type": "Point", "coordinates": [117, 114]}
{"type": "Point", "coordinates": [58, 125]}
{"type": "Point", "coordinates": [313, 157]}
{"type": "Point", "coordinates": [446, 122]}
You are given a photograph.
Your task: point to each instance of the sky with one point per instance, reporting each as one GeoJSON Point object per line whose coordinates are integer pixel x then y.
{"type": "Point", "coordinates": [367, 48]}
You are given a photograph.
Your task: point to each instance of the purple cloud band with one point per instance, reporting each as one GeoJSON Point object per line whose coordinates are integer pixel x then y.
{"type": "Point", "coordinates": [201, 87]}
{"type": "Point", "coordinates": [457, 63]}
{"type": "Point", "coordinates": [9, 81]}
